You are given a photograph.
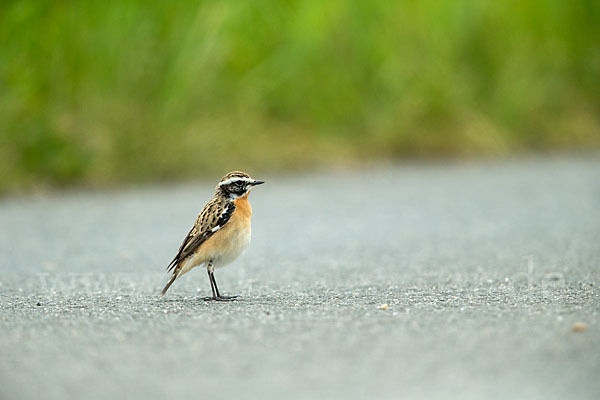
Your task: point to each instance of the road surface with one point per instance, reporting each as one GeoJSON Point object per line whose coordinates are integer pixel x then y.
{"type": "Point", "coordinates": [399, 281]}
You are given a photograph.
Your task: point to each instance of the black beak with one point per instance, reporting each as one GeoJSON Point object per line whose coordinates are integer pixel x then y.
{"type": "Point", "coordinates": [256, 183]}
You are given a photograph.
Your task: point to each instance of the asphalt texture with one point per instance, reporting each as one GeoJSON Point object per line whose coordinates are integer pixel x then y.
{"type": "Point", "coordinates": [489, 271]}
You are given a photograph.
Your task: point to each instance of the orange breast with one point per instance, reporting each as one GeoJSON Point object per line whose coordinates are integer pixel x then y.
{"type": "Point", "coordinates": [227, 243]}
{"type": "Point", "coordinates": [242, 207]}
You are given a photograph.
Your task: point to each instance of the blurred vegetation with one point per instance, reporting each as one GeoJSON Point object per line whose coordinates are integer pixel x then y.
{"type": "Point", "coordinates": [102, 92]}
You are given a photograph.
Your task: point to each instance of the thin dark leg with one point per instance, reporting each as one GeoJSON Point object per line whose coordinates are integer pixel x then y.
{"type": "Point", "coordinates": [212, 283]}
{"type": "Point", "coordinates": [215, 290]}
{"type": "Point", "coordinates": [212, 275]}
{"type": "Point", "coordinates": [219, 297]}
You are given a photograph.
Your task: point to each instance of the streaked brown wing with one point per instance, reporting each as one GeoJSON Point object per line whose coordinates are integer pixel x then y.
{"type": "Point", "coordinates": [215, 214]}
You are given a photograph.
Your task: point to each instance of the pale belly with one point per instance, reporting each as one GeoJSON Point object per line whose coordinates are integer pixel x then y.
{"type": "Point", "coordinates": [221, 249]}
{"type": "Point", "coordinates": [227, 244]}
{"type": "Point", "coordinates": [237, 244]}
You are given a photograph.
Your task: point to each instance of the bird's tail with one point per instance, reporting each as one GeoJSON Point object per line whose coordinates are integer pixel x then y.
{"type": "Point", "coordinates": [168, 285]}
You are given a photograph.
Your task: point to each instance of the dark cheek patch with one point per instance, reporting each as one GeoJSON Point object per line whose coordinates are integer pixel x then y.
{"type": "Point", "coordinates": [236, 190]}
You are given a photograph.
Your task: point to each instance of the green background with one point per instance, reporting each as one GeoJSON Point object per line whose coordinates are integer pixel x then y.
{"type": "Point", "coordinates": [99, 93]}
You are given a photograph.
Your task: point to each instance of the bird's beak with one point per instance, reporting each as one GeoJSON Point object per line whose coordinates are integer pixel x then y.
{"type": "Point", "coordinates": [257, 182]}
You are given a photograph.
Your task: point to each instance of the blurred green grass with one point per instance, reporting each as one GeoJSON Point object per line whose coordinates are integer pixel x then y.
{"type": "Point", "coordinates": [105, 92]}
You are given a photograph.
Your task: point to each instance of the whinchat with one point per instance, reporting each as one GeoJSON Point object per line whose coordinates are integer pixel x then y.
{"type": "Point", "coordinates": [221, 232]}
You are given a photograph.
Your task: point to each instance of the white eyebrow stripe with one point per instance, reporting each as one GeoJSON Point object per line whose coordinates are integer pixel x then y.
{"type": "Point", "coordinates": [236, 179]}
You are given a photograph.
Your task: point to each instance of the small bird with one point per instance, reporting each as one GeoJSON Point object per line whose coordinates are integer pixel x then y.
{"type": "Point", "coordinates": [221, 232]}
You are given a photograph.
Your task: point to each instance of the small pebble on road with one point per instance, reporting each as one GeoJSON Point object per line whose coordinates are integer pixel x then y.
{"type": "Point", "coordinates": [579, 327]}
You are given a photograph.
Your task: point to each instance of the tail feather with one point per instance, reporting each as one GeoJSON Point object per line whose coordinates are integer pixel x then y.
{"type": "Point", "coordinates": [173, 277]}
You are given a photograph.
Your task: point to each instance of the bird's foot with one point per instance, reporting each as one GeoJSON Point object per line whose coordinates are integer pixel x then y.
{"type": "Point", "coordinates": [220, 298]}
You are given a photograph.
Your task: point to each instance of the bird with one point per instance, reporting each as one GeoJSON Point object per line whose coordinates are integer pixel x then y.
{"type": "Point", "coordinates": [220, 234]}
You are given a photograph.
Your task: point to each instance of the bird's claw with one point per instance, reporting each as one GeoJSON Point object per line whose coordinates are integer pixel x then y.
{"type": "Point", "coordinates": [220, 298]}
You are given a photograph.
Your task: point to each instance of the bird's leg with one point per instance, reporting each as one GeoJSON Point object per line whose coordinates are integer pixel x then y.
{"type": "Point", "coordinates": [219, 297]}
{"type": "Point", "coordinates": [210, 269]}
{"type": "Point", "coordinates": [213, 286]}
{"type": "Point", "coordinates": [212, 283]}
{"type": "Point", "coordinates": [212, 275]}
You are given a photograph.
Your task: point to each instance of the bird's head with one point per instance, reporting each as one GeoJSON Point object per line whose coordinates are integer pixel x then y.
{"type": "Point", "coordinates": [236, 184]}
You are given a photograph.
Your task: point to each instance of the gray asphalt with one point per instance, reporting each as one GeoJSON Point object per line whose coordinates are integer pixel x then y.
{"type": "Point", "coordinates": [485, 267]}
